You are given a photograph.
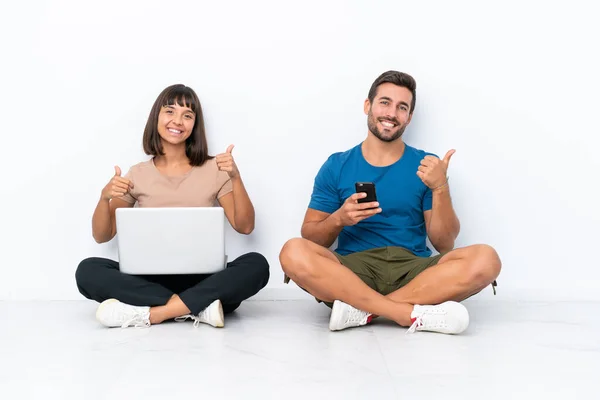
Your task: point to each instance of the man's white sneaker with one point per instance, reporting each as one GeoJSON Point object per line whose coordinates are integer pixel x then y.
{"type": "Point", "coordinates": [345, 316]}
{"type": "Point", "coordinates": [112, 313]}
{"type": "Point", "coordinates": [211, 315]}
{"type": "Point", "coordinates": [449, 317]}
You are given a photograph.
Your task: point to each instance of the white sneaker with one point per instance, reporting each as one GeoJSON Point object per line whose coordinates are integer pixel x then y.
{"type": "Point", "coordinates": [449, 317]}
{"type": "Point", "coordinates": [112, 313]}
{"type": "Point", "coordinates": [345, 316]}
{"type": "Point", "coordinates": [211, 315]}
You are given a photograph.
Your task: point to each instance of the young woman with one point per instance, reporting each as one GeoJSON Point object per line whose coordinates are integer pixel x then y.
{"type": "Point", "coordinates": [180, 174]}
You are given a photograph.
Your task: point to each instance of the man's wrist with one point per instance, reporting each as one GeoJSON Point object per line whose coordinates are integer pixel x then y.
{"type": "Point", "coordinates": [337, 220]}
{"type": "Point", "coordinates": [443, 189]}
{"type": "Point", "coordinates": [443, 186]}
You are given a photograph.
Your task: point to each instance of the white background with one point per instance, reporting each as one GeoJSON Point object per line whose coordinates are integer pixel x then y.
{"type": "Point", "coordinates": [513, 87]}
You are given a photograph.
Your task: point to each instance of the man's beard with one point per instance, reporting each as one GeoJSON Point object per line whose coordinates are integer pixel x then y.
{"type": "Point", "coordinates": [372, 124]}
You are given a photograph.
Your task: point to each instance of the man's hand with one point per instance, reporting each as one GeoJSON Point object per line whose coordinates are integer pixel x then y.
{"type": "Point", "coordinates": [226, 163]}
{"type": "Point", "coordinates": [352, 212]}
{"type": "Point", "coordinates": [432, 170]}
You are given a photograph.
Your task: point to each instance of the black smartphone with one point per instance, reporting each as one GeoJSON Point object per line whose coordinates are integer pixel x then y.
{"type": "Point", "coordinates": [369, 189]}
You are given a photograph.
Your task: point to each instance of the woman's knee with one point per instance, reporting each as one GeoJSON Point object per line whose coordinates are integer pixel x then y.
{"type": "Point", "coordinates": [84, 275]}
{"type": "Point", "coordinates": [85, 271]}
{"type": "Point", "coordinates": [89, 271]}
{"type": "Point", "coordinates": [259, 264]}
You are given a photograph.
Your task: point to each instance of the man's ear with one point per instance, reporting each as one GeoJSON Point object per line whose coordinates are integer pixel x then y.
{"type": "Point", "coordinates": [367, 106]}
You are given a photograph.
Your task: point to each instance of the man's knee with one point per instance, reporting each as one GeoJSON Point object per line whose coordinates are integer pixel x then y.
{"type": "Point", "coordinates": [293, 257]}
{"type": "Point", "coordinates": [484, 265]}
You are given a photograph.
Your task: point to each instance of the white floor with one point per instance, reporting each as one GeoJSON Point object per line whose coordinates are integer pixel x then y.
{"type": "Point", "coordinates": [283, 349]}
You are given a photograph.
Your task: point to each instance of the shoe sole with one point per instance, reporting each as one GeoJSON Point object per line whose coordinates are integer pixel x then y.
{"type": "Point", "coordinates": [100, 308]}
{"type": "Point", "coordinates": [334, 318]}
{"type": "Point", "coordinates": [465, 319]}
{"type": "Point", "coordinates": [221, 322]}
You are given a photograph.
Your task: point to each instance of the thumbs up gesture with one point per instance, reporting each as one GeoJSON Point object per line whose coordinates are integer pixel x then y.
{"type": "Point", "coordinates": [226, 163]}
{"type": "Point", "coordinates": [433, 171]}
{"type": "Point", "coordinates": [117, 186]}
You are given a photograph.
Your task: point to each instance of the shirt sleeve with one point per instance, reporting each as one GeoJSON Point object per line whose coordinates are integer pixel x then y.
{"type": "Point", "coordinates": [427, 199]}
{"type": "Point", "coordinates": [226, 188]}
{"type": "Point", "coordinates": [325, 196]}
{"type": "Point", "coordinates": [428, 195]}
{"type": "Point", "coordinates": [130, 197]}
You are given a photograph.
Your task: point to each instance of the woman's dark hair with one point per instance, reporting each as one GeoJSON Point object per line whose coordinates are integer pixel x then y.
{"type": "Point", "coordinates": [196, 147]}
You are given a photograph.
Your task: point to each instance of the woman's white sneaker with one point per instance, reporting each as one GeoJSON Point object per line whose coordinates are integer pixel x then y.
{"type": "Point", "coordinates": [112, 313]}
{"type": "Point", "coordinates": [211, 315]}
{"type": "Point", "coordinates": [449, 317]}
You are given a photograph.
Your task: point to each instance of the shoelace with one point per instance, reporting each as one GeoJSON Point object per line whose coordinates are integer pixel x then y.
{"type": "Point", "coordinates": [418, 323]}
{"type": "Point", "coordinates": [197, 320]}
{"type": "Point", "coordinates": [138, 321]}
{"type": "Point", "coordinates": [422, 319]}
{"type": "Point", "coordinates": [355, 316]}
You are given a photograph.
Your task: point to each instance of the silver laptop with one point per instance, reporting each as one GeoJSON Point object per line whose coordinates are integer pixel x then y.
{"type": "Point", "coordinates": [165, 241]}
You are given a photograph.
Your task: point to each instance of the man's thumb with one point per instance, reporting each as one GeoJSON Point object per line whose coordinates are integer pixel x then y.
{"type": "Point", "coordinates": [117, 171]}
{"type": "Point", "coordinates": [230, 149]}
{"type": "Point", "coordinates": [448, 155]}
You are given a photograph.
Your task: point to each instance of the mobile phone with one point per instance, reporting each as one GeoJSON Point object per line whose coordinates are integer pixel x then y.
{"type": "Point", "coordinates": [369, 189]}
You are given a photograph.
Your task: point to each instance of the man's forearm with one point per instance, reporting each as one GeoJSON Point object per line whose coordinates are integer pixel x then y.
{"type": "Point", "coordinates": [444, 225]}
{"type": "Point", "coordinates": [323, 232]}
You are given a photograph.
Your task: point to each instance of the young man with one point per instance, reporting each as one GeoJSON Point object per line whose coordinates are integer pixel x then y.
{"type": "Point", "coordinates": [382, 265]}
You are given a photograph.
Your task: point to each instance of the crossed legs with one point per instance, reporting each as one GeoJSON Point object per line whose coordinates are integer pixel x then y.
{"type": "Point", "coordinates": [458, 275]}
{"type": "Point", "coordinates": [150, 300]}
